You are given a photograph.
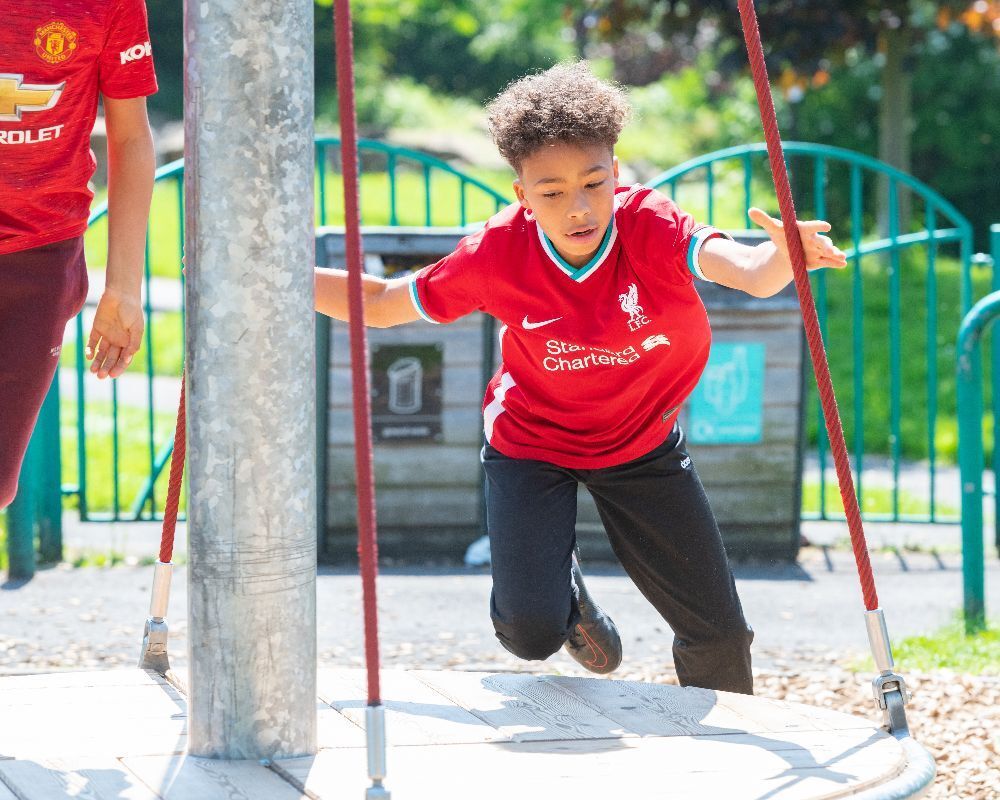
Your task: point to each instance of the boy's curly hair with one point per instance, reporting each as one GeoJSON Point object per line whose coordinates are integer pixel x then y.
{"type": "Point", "coordinates": [566, 103]}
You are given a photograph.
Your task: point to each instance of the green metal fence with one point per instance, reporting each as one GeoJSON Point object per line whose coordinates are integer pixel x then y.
{"type": "Point", "coordinates": [419, 189]}
{"type": "Point", "coordinates": [131, 420]}
{"type": "Point", "coordinates": [929, 253]}
{"type": "Point", "coordinates": [971, 461]}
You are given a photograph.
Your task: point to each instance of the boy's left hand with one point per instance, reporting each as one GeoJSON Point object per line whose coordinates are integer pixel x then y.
{"type": "Point", "coordinates": [820, 250]}
{"type": "Point", "coordinates": [116, 333]}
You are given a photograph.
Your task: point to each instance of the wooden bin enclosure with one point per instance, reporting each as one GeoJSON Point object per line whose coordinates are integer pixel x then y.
{"type": "Point", "coordinates": [427, 389]}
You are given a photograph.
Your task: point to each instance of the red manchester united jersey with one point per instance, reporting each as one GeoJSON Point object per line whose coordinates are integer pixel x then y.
{"type": "Point", "coordinates": [55, 57]}
{"type": "Point", "coordinates": [595, 360]}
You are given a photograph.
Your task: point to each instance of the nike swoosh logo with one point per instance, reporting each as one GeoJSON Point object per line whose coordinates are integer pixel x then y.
{"type": "Point", "coordinates": [528, 326]}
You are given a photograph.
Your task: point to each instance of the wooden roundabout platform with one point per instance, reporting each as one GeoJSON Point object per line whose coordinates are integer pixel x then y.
{"type": "Point", "coordinates": [121, 735]}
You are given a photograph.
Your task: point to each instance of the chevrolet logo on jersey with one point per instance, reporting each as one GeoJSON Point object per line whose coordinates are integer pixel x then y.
{"type": "Point", "coordinates": [17, 97]}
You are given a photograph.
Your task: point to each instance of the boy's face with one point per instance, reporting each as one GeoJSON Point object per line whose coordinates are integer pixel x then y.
{"type": "Point", "coordinates": [570, 190]}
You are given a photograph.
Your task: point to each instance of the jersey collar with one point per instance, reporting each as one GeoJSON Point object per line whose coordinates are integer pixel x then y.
{"type": "Point", "coordinates": [580, 273]}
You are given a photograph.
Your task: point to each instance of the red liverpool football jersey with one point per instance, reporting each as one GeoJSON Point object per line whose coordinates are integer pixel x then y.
{"type": "Point", "coordinates": [55, 57]}
{"type": "Point", "coordinates": [595, 360]}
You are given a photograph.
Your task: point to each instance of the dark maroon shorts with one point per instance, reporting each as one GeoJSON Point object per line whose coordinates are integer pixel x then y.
{"type": "Point", "coordinates": [40, 291]}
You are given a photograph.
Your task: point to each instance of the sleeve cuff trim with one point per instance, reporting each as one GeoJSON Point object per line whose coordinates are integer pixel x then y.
{"type": "Point", "coordinates": [415, 299]}
{"type": "Point", "coordinates": [698, 239]}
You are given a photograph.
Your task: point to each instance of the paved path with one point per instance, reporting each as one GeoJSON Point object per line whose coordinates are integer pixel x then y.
{"type": "Point", "coordinates": [433, 617]}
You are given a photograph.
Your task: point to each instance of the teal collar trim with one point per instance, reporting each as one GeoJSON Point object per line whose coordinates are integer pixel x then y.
{"type": "Point", "coordinates": [580, 273]}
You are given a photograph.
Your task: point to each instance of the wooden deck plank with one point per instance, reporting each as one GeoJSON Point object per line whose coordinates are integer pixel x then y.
{"type": "Point", "coordinates": [188, 778]}
{"type": "Point", "coordinates": [764, 713]}
{"type": "Point", "coordinates": [133, 702]}
{"type": "Point", "coordinates": [522, 707]}
{"type": "Point", "coordinates": [81, 680]}
{"type": "Point", "coordinates": [96, 717]}
{"type": "Point", "coordinates": [336, 730]}
{"type": "Point", "coordinates": [415, 713]}
{"type": "Point", "coordinates": [675, 766]}
{"type": "Point", "coordinates": [87, 737]}
{"type": "Point", "coordinates": [89, 779]}
{"type": "Point", "coordinates": [655, 709]}
{"type": "Point", "coordinates": [451, 735]}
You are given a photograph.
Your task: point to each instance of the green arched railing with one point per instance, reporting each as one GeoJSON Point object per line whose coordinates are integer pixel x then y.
{"type": "Point", "coordinates": [399, 186]}
{"type": "Point", "coordinates": [424, 172]}
{"type": "Point", "coordinates": [405, 187]}
{"type": "Point", "coordinates": [833, 183]}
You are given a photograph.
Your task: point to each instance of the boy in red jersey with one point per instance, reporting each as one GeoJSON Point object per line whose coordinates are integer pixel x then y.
{"type": "Point", "coordinates": [603, 337]}
{"type": "Point", "coordinates": [57, 57]}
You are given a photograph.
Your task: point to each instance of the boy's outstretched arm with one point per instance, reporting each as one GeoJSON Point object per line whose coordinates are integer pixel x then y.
{"type": "Point", "coordinates": [386, 302]}
{"type": "Point", "coordinates": [766, 269]}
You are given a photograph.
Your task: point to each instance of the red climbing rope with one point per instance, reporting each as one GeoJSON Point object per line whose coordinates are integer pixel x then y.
{"type": "Point", "coordinates": [814, 336]}
{"type": "Point", "coordinates": [367, 541]}
{"type": "Point", "coordinates": [174, 487]}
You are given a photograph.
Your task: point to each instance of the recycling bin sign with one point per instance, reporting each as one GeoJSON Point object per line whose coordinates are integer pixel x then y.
{"type": "Point", "coordinates": [406, 392]}
{"type": "Point", "coordinates": [727, 406]}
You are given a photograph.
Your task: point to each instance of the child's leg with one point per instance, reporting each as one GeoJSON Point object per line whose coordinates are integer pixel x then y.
{"type": "Point", "coordinates": [662, 529]}
{"type": "Point", "coordinates": [531, 516]}
{"type": "Point", "coordinates": [40, 290]}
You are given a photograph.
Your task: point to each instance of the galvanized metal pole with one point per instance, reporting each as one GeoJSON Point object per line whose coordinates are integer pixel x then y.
{"type": "Point", "coordinates": [251, 378]}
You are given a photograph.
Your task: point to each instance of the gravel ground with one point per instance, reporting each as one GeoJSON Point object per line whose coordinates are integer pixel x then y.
{"type": "Point", "coordinates": [807, 616]}
{"type": "Point", "coordinates": [956, 717]}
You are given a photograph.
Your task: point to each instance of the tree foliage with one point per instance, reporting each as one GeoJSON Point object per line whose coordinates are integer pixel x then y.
{"type": "Point", "coordinates": [467, 47]}
{"type": "Point", "coordinates": [800, 35]}
{"type": "Point", "coordinates": [825, 59]}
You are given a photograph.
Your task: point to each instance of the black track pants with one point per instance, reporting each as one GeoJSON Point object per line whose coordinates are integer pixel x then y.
{"type": "Point", "coordinates": [660, 526]}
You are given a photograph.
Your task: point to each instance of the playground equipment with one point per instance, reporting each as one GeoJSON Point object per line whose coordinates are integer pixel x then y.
{"type": "Point", "coordinates": [252, 685]}
{"type": "Point", "coordinates": [888, 687]}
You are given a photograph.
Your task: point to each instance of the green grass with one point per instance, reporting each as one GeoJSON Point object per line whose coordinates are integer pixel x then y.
{"type": "Point", "coordinates": [874, 369]}
{"type": "Point", "coordinates": [111, 559]}
{"type": "Point", "coordinates": [164, 232]}
{"type": "Point", "coordinates": [875, 501]}
{"type": "Point", "coordinates": [133, 453]}
{"type": "Point", "coordinates": [947, 649]}
{"type": "Point", "coordinates": [411, 205]}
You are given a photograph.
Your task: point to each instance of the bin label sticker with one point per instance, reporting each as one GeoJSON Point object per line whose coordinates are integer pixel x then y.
{"type": "Point", "coordinates": [727, 405]}
{"type": "Point", "coordinates": [406, 392]}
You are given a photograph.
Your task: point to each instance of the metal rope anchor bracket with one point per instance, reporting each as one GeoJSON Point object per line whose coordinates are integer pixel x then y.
{"type": "Point", "coordinates": [154, 637]}
{"type": "Point", "coordinates": [375, 739]}
{"type": "Point", "coordinates": [888, 687]}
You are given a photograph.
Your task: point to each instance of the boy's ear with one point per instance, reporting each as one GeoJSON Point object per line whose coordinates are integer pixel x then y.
{"type": "Point", "coordinates": [519, 192]}
{"type": "Point", "coordinates": [614, 169]}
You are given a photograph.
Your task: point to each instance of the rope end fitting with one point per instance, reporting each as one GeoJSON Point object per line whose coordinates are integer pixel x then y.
{"type": "Point", "coordinates": [154, 636]}
{"type": "Point", "coordinates": [375, 730]}
{"type": "Point", "coordinates": [888, 687]}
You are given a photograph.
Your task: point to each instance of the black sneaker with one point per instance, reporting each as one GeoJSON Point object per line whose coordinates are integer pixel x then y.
{"type": "Point", "coordinates": [594, 642]}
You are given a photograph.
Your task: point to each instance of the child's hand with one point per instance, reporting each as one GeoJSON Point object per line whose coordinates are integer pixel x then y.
{"type": "Point", "coordinates": [820, 250]}
{"type": "Point", "coordinates": [116, 333]}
